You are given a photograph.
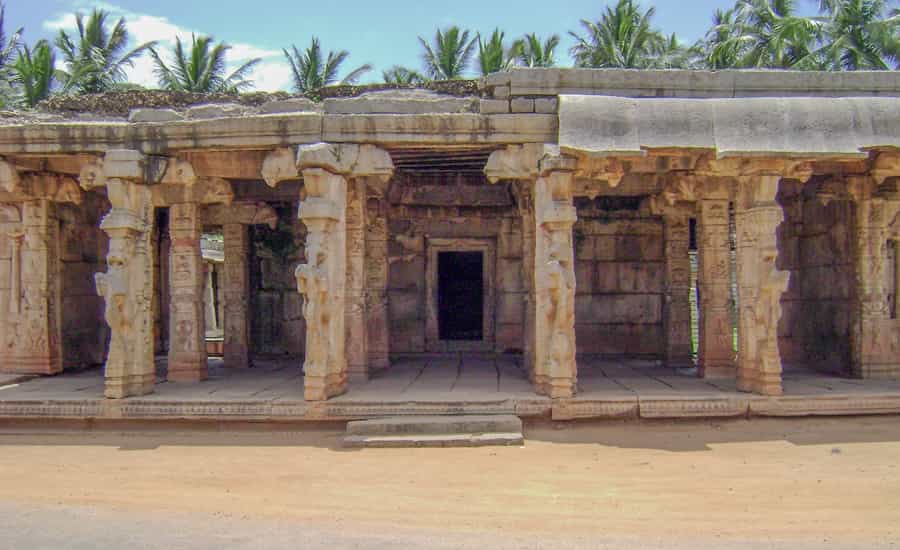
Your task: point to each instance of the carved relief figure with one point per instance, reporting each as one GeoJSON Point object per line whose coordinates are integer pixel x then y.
{"type": "Point", "coordinates": [772, 285]}
{"type": "Point", "coordinates": [560, 288]}
{"type": "Point", "coordinates": [312, 282]}
{"type": "Point", "coordinates": [121, 308]}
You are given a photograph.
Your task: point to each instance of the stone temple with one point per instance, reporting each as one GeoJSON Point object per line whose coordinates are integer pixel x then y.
{"type": "Point", "coordinates": [733, 225]}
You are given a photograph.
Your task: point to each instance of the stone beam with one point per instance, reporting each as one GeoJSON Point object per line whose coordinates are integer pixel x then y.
{"type": "Point", "coordinates": [241, 213]}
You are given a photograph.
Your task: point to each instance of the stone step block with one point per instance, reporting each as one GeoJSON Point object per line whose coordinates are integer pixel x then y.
{"type": "Point", "coordinates": [434, 440]}
{"type": "Point", "coordinates": [436, 425]}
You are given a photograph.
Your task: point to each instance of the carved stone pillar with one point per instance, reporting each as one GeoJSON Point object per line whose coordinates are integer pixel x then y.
{"type": "Point", "coordinates": [677, 305]}
{"type": "Point", "coordinates": [875, 337]}
{"type": "Point", "coordinates": [545, 202]}
{"type": "Point", "coordinates": [554, 282]}
{"type": "Point", "coordinates": [716, 351]}
{"type": "Point", "coordinates": [322, 281]}
{"type": "Point", "coordinates": [525, 200]}
{"type": "Point", "coordinates": [32, 321]}
{"type": "Point", "coordinates": [128, 284]}
{"type": "Point", "coordinates": [357, 352]}
{"type": "Point", "coordinates": [237, 296]}
{"type": "Point", "coordinates": [332, 176]}
{"type": "Point", "coordinates": [209, 298]}
{"type": "Point", "coordinates": [187, 327]}
{"type": "Point", "coordinates": [376, 266]}
{"type": "Point", "coordinates": [761, 284]}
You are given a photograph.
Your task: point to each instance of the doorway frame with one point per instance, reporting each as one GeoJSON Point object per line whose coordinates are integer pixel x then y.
{"type": "Point", "coordinates": [488, 247]}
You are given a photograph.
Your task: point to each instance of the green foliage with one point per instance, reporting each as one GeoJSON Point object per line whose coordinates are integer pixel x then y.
{"type": "Point", "coordinates": [493, 56]}
{"type": "Point", "coordinates": [529, 51]}
{"type": "Point", "coordinates": [202, 69]}
{"type": "Point", "coordinates": [35, 71]}
{"type": "Point", "coordinates": [310, 71]}
{"type": "Point", "coordinates": [623, 37]}
{"type": "Point", "coordinates": [403, 75]}
{"type": "Point", "coordinates": [8, 48]}
{"type": "Point", "coordinates": [449, 55]}
{"type": "Point", "coordinates": [96, 57]}
{"type": "Point", "coordinates": [860, 34]}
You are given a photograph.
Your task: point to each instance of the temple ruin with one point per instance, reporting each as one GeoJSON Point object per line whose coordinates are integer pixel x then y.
{"type": "Point", "coordinates": [733, 225]}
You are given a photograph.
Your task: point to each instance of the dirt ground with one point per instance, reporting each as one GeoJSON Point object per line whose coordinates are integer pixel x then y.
{"type": "Point", "coordinates": [764, 483]}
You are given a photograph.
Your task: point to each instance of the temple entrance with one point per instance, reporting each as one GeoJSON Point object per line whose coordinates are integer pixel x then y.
{"type": "Point", "coordinates": [460, 302]}
{"type": "Point", "coordinates": [461, 295]}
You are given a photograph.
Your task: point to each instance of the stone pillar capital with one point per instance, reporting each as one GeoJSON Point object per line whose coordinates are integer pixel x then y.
{"type": "Point", "coordinates": [351, 160]}
{"type": "Point", "coordinates": [886, 165]}
{"type": "Point", "coordinates": [9, 177]}
{"type": "Point", "coordinates": [515, 162]}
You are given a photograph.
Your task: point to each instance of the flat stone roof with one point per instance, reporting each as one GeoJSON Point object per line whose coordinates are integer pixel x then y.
{"type": "Point", "coordinates": [598, 110]}
{"type": "Point", "coordinates": [698, 84]}
{"type": "Point", "coordinates": [806, 127]}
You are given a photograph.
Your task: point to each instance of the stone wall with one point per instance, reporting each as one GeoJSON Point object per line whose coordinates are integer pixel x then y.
{"type": "Point", "coordinates": [817, 248]}
{"type": "Point", "coordinates": [421, 210]}
{"type": "Point", "coordinates": [82, 253]}
{"type": "Point", "coordinates": [276, 313]}
{"type": "Point", "coordinates": [620, 279]}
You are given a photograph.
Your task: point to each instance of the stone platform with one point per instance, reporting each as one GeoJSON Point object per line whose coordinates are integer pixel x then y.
{"type": "Point", "coordinates": [273, 391]}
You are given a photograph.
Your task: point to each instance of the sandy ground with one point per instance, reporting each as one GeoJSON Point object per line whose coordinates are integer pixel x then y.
{"type": "Point", "coordinates": [736, 484]}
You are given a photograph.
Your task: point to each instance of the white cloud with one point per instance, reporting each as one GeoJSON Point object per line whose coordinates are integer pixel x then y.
{"type": "Point", "coordinates": [271, 74]}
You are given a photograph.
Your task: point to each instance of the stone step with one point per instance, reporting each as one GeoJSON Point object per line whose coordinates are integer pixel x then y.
{"type": "Point", "coordinates": [434, 440]}
{"type": "Point", "coordinates": [436, 425]}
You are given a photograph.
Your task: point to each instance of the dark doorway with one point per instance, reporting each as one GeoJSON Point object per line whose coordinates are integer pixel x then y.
{"type": "Point", "coordinates": [461, 295]}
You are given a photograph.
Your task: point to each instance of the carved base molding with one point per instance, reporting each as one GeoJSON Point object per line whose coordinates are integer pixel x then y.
{"type": "Point", "coordinates": [119, 387]}
{"type": "Point", "coordinates": [320, 388]}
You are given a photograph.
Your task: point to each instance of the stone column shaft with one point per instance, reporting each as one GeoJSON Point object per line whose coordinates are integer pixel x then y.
{"type": "Point", "coordinates": [237, 296]}
{"type": "Point", "coordinates": [32, 322]}
{"type": "Point", "coordinates": [127, 288]}
{"type": "Point", "coordinates": [377, 322]}
{"type": "Point", "coordinates": [322, 281]}
{"type": "Point", "coordinates": [357, 354]}
{"type": "Point", "coordinates": [526, 210]}
{"type": "Point", "coordinates": [209, 297]}
{"type": "Point", "coordinates": [716, 355]}
{"type": "Point", "coordinates": [677, 305]}
{"type": "Point", "coordinates": [554, 282]}
{"type": "Point", "coordinates": [187, 327]}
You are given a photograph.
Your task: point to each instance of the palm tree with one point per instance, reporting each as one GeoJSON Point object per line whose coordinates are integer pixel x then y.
{"type": "Point", "coordinates": [202, 69]}
{"type": "Point", "coordinates": [8, 48]}
{"type": "Point", "coordinates": [449, 55]}
{"type": "Point", "coordinates": [860, 34]}
{"type": "Point", "coordinates": [310, 73]}
{"type": "Point", "coordinates": [403, 75]}
{"type": "Point", "coordinates": [97, 56]}
{"type": "Point", "coordinates": [623, 37]}
{"type": "Point", "coordinates": [531, 52]}
{"type": "Point", "coordinates": [720, 50]}
{"type": "Point", "coordinates": [767, 34]}
{"type": "Point", "coordinates": [493, 56]}
{"type": "Point", "coordinates": [35, 71]}
{"type": "Point", "coordinates": [672, 54]}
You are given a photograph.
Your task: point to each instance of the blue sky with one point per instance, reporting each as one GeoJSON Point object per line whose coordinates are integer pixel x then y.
{"type": "Point", "coordinates": [378, 32]}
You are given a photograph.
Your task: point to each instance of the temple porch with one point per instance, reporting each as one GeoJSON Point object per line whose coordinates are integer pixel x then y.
{"type": "Point", "coordinates": [444, 384]}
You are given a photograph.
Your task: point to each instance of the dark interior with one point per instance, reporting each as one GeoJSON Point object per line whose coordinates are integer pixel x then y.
{"type": "Point", "coordinates": [461, 295]}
